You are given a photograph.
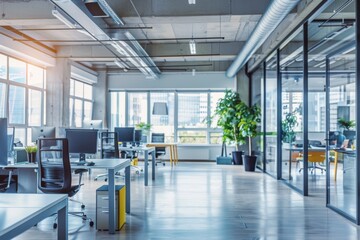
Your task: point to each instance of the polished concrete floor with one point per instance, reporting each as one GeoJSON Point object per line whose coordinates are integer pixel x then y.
{"type": "Point", "coordinates": [209, 201]}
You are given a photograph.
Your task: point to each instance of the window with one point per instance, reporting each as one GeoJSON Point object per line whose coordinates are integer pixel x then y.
{"type": "Point", "coordinates": [3, 66]}
{"type": "Point", "coordinates": [192, 111]}
{"type": "Point", "coordinates": [16, 105]}
{"type": "Point", "coordinates": [186, 118]}
{"type": "Point", "coordinates": [22, 95]}
{"type": "Point", "coordinates": [80, 103]}
{"type": "Point", "coordinates": [17, 70]}
{"type": "Point", "coordinates": [137, 108]}
{"type": "Point", "coordinates": [163, 123]}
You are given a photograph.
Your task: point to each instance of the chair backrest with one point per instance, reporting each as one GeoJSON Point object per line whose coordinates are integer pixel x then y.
{"type": "Point", "coordinates": [316, 156]}
{"type": "Point", "coordinates": [158, 138]}
{"type": "Point", "coordinates": [54, 165]}
{"type": "Point", "coordinates": [109, 145]}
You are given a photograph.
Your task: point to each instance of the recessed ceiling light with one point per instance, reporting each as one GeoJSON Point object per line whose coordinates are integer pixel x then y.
{"type": "Point", "coordinates": [192, 1]}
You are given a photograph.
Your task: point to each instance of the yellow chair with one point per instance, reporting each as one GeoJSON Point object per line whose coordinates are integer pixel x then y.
{"type": "Point", "coordinates": [314, 157]}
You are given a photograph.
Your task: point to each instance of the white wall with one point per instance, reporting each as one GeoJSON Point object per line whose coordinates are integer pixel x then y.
{"type": "Point", "coordinates": [180, 80]}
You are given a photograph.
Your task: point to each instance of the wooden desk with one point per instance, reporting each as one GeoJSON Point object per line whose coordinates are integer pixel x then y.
{"type": "Point", "coordinates": [20, 212]}
{"type": "Point", "coordinates": [173, 150]}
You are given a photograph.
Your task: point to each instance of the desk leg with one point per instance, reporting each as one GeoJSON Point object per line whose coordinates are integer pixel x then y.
{"type": "Point", "coordinates": [171, 155]}
{"type": "Point", "coordinates": [63, 222]}
{"type": "Point", "coordinates": [146, 167]}
{"type": "Point", "coordinates": [290, 165]}
{"type": "Point", "coordinates": [153, 160]}
{"type": "Point", "coordinates": [127, 185]}
{"type": "Point", "coordinates": [176, 154]}
{"type": "Point", "coordinates": [336, 156]}
{"type": "Point", "coordinates": [111, 192]}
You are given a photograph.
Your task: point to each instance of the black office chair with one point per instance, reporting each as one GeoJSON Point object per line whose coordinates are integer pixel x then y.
{"type": "Point", "coordinates": [109, 149]}
{"type": "Point", "coordinates": [159, 151]}
{"type": "Point", "coordinates": [6, 182]}
{"type": "Point", "coordinates": [54, 171]}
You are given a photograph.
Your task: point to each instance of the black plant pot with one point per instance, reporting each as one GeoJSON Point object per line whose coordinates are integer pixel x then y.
{"type": "Point", "coordinates": [31, 157]}
{"type": "Point", "coordinates": [249, 163]}
{"type": "Point", "coordinates": [237, 157]}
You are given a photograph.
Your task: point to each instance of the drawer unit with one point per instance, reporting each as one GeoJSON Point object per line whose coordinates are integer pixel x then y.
{"type": "Point", "coordinates": [102, 207]}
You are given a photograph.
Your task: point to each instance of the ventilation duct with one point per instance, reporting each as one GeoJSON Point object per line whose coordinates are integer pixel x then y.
{"type": "Point", "coordinates": [275, 13]}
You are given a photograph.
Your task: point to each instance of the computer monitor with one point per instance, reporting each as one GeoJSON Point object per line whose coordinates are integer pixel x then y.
{"type": "Point", "coordinates": [125, 134]}
{"type": "Point", "coordinates": [93, 124]}
{"type": "Point", "coordinates": [137, 136]}
{"type": "Point", "coordinates": [4, 141]}
{"type": "Point", "coordinates": [82, 141]}
{"type": "Point", "coordinates": [42, 132]}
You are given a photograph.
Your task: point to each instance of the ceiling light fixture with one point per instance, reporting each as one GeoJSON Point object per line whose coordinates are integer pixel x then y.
{"type": "Point", "coordinates": [192, 2]}
{"type": "Point", "coordinates": [63, 19]}
{"type": "Point", "coordinates": [192, 46]}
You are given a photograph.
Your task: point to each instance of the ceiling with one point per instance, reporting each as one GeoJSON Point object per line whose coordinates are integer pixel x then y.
{"type": "Point", "coordinates": [162, 28]}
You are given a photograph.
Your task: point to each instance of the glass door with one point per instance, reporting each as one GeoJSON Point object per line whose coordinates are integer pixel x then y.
{"type": "Point", "coordinates": [341, 118]}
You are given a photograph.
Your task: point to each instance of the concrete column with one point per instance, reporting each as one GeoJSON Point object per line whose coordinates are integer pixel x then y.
{"type": "Point", "coordinates": [57, 93]}
{"type": "Point", "coordinates": [100, 97]}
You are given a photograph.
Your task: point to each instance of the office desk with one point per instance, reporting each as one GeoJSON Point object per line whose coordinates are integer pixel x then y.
{"type": "Point", "coordinates": [173, 150]}
{"type": "Point", "coordinates": [146, 151]}
{"type": "Point", "coordinates": [20, 212]}
{"type": "Point", "coordinates": [111, 164]}
{"type": "Point", "coordinates": [348, 151]}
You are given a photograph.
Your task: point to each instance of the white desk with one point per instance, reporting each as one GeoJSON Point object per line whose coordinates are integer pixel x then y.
{"type": "Point", "coordinates": [111, 164]}
{"type": "Point", "coordinates": [146, 151]}
{"type": "Point", "coordinates": [20, 212]}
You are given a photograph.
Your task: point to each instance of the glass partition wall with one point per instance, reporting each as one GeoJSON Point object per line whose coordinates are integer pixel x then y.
{"type": "Point", "coordinates": [314, 84]}
{"type": "Point", "coordinates": [271, 113]}
{"type": "Point", "coordinates": [342, 155]}
{"type": "Point", "coordinates": [292, 141]}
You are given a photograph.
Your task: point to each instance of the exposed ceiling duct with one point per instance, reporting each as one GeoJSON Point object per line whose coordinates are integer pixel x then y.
{"type": "Point", "coordinates": [275, 13]}
{"type": "Point", "coordinates": [124, 49]}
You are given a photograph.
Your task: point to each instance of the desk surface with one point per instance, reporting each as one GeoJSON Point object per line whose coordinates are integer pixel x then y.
{"type": "Point", "coordinates": [21, 211]}
{"type": "Point", "coordinates": [106, 163]}
{"type": "Point", "coordinates": [138, 149]}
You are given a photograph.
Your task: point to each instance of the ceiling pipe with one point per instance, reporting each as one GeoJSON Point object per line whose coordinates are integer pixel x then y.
{"type": "Point", "coordinates": [75, 9]}
{"type": "Point", "coordinates": [276, 12]}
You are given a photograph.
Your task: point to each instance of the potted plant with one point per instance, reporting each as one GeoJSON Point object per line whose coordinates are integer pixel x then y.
{"type": "Point", "coordinates": [346, 124]}
{"type": "Point", "coordinates": [228, 120]}
{"type": "Point", "coordinates": [249, 117]}
{"type": "Point", "coordinates": [31, 153]}
{"type": "Point", "coordinates": [145, 129]}
{"type": "Point", "coordinates": [287, 127]}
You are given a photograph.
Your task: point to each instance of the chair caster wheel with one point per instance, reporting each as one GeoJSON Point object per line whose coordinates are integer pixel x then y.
{"type": "Point", "coordinates": [163, 164]}
{"type": "Point", "coordinates": [95, 179]}
{"type": "Point", "coordinates": [91, 223]}
{"type": "Point", "coordinates": [105, 179]}
{"type": "Point", "coordinates": [142, 170]}
{"type": "Point", "coordinates": [54, 225]}
{"type": "Point", "coordinates": [155, 164]}
{"type": "Point", "coordinates": [82, 206]}
{"type": "Point", "coordinates": [137, 172]}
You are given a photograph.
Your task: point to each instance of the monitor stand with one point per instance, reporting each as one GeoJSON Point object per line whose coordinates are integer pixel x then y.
{"type": "Point", "coordinates": [82, 157]}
